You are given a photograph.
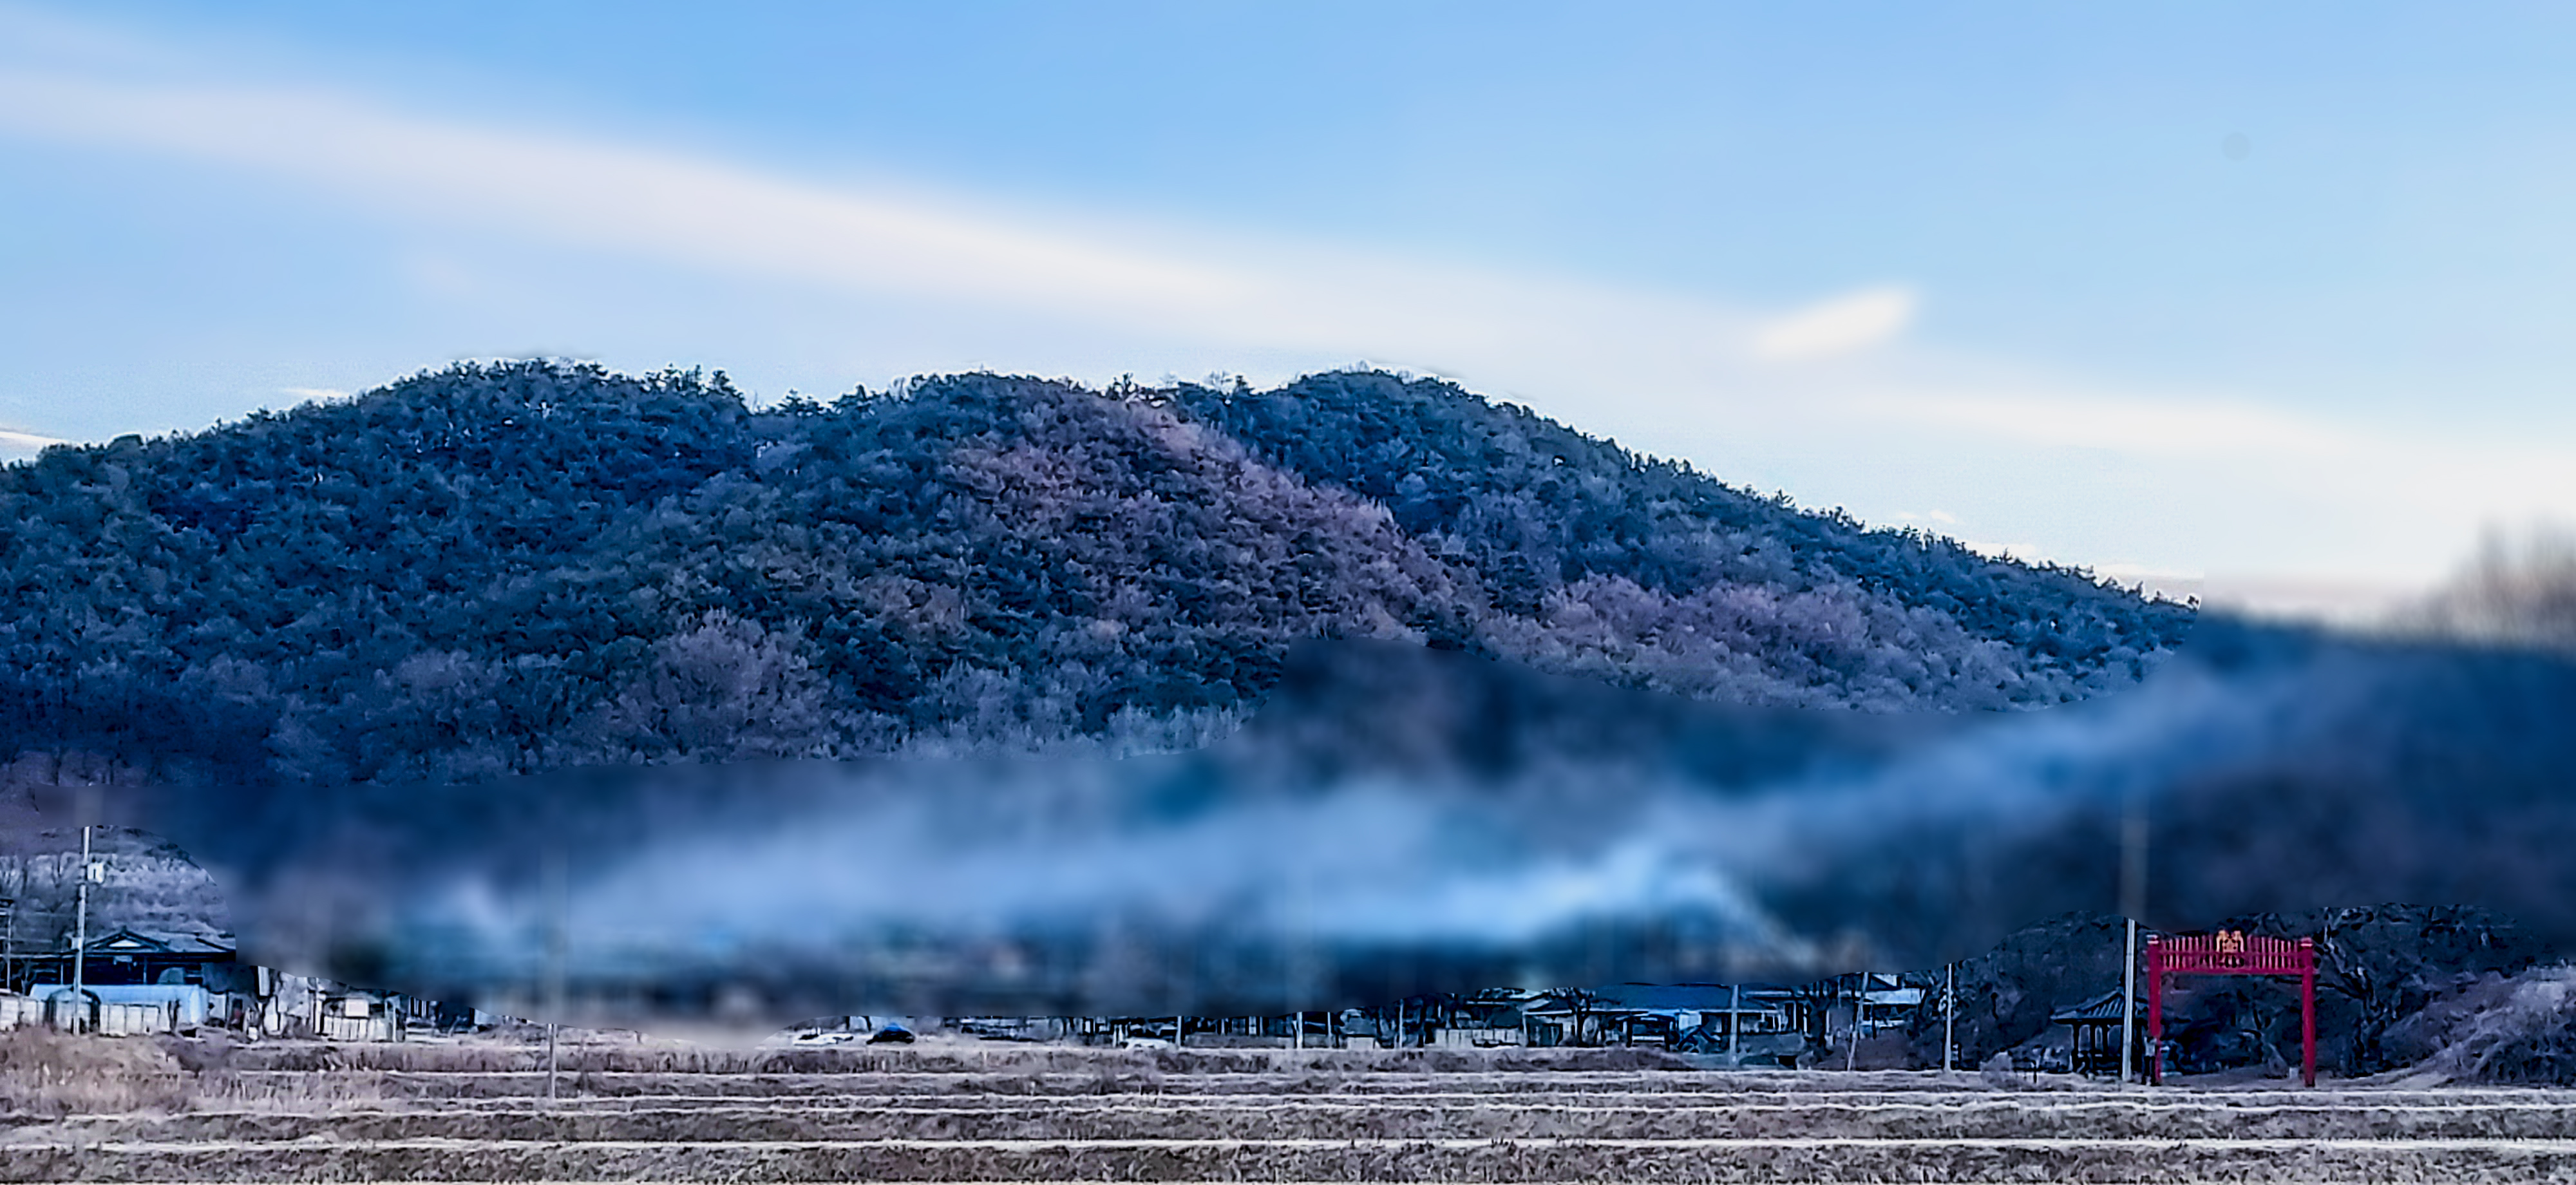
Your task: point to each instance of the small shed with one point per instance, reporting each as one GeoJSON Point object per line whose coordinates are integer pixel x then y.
{"type": "Point", "coordinates": [1885, 1004]}
{"type": "Point", "coordinates": [2095, 1025]}
{"type": "Point", "coordinates": [1484, 1020]}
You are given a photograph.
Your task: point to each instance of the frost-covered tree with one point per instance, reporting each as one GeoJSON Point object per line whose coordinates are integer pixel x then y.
{"type": "Point", "coordinates": [494, 569]}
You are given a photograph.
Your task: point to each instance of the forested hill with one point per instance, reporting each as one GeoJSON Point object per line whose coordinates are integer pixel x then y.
{"type": "Point", "coordinates": [510, 567]}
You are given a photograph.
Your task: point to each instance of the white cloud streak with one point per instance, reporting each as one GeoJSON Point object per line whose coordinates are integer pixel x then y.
{"type": "Point", "coordinates": [26, 441]}
{"type": "Point", "coordinates": [608, 196]}
{"type": "Point", "coordinates": [1843, 325]}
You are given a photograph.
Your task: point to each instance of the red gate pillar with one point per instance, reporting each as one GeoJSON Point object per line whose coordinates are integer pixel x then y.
{"type": "Point", "coordinates": [2155, 1012]}
{"type": "Point", "coordinates": [2308, 1010]}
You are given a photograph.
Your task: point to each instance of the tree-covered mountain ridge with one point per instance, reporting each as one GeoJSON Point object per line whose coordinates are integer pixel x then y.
{"type": "Point", "coordinates": [499, 568]}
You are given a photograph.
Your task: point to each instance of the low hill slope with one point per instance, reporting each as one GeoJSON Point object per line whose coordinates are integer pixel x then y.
{"type": "Point", "coordinates": [513, 567]}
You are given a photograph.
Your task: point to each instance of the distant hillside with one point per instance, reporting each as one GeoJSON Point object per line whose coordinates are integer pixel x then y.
{"type": "Point", "coordinates": [506, 568]}
{"type": "Point", "coordinates": [151, 885]}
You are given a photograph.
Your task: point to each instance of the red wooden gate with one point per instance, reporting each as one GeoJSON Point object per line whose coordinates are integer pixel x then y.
{"type": "Point", "coordinates": [2231, 952]}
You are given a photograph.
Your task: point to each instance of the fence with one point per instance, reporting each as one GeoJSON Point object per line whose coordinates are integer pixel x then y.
{"type": "Point", "coordinates": [134, 1020]}
{"type": "Point", "coordinates": [360, 1028]}
{"type": "Point", "coordinates": [62, 1009]}
{"type": "Point", "coordinates": [2234, 952]}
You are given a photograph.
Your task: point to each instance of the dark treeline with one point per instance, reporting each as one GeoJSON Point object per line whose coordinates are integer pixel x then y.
{"type": "Point", "coordinates": [505, 568]}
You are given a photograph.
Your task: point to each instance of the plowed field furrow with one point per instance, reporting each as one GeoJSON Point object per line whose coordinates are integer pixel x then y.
{"type": "Point", "coordinates": [1659, 1085]}
{"type": "Point", "coordinates": [1131, 1121]}
{"type": "Point", "coordinates": [609, 1083]}
{"type": "Point", "coordinates": [1279, 1120]}
{"type": "Point", "coordinates": [843, 1097]}
{"type": "Point", "coordinates": [1818, 1160]}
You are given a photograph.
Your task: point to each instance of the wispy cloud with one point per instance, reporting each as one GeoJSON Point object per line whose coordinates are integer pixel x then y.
{"type": "Point", "coordinates": [26, 441]}
{"type": "Point", "coordinates": [726, 217]}
{"type": "Point", "coordinates": [1843, 325]}
{"type": "Point", "coordinates": [624, 198]}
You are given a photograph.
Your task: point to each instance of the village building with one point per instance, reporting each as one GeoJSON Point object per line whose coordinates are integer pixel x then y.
{"type": "Point", "coordinates": [134, 980]}
{"type": "Point", "coordinates": [127, 956]}
{"type": "Point", "coordinates": [1885, 1002]}
{"type": "Point", "coordinates": [1667, 1015]}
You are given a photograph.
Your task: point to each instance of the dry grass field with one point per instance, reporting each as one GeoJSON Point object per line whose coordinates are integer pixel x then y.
{"type": "Point", "coordinates": [968, 1112]}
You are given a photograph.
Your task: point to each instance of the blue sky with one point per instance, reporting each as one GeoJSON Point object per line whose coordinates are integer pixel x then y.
{"type": "Point", "coordinates": [2276, 295]}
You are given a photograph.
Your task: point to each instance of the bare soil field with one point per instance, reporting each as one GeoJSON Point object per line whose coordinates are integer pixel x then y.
{"type": "Point", "coordinates": [958, 1112]}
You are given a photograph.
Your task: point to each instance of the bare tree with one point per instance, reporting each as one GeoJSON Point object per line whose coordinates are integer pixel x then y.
{"type": "Point", "coordinates": [2516, 589]}
{"type": "Point", "coordinates": [1581, 1005]}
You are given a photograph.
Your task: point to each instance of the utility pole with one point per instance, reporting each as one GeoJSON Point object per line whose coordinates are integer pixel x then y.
{"type": "Point", "coordinates": [1949, 1015]}
{"type": "Point", "coordinates": [1860, 1004]}
{"type": "Point", "coordinates": [555, 941]}
{"type": "Point", "coordinates": [2133, 901]}
{"type": "Point", "coordinates": [2129, 1004]}
{"type": "Point", "coordinates": [80, 933]}
{"type": "Point", "coordinates": [1735, 1027]}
